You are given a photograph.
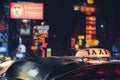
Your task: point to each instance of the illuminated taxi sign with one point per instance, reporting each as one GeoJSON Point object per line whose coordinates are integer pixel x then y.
{"type": "Point", "coordinates": [93, 52]}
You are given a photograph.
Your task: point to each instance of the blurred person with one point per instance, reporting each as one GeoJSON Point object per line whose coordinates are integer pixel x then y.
{"type": "Point", "coordinates": [21, 52]}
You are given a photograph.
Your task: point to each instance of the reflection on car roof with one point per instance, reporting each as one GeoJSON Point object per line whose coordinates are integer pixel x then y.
{"type": "Point", "coordinates": [42, 66]}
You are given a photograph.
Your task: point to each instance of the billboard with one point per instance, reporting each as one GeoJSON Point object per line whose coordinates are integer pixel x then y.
{"type": "Point", "coordinates": [26, 10]}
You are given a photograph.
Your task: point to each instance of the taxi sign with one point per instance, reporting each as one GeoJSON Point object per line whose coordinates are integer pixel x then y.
{"type": "Point", "coordinates": [93, 52]}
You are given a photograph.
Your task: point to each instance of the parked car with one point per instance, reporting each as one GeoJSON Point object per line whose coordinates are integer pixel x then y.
{"type": "Point", "coordinates": [66, 67]}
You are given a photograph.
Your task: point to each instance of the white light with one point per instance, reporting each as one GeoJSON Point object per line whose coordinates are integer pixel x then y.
{"type": "Point", "coordinates": [102, 26]}
{"type": "Point", "coordinates": [54, 35]}
{"type": "Point", "coordinates": [24, 20]}
{"type": "Point", "coordinates": [76, 7]}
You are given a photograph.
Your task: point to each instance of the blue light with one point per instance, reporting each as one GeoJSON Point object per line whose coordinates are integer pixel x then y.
{"type": "Point", "coordinates": [3, 49]}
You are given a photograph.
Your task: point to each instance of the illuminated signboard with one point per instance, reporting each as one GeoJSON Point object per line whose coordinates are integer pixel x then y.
{"type": "Point", "coordinates": [40, 31]}
{"type": "Point", "coordinates": [88, 8]}
{"type": "Point", "coordinates": [34, 48]}
{"type": "Point", "coordinates": [25, 31]}
{"type": "Point", "coordinates": [3, 49]}
{"type": "Point", "coordinates": [93, 52]}
{"type": "Point", "coordinates": [45, 27]}
{"type": "Point", "coordinates": [26, 10]}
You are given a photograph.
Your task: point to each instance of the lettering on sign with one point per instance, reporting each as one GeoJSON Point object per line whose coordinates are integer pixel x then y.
{"type": "Point", "coordinates": [93, 52]}
{"type": "Point", "coordinates": [98, 51]}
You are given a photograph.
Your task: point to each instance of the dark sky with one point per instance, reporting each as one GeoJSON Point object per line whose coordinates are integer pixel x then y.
{"type": "Point", "coordinates": [60, 16]}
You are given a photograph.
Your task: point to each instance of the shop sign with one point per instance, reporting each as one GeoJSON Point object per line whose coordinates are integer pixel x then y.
{"type": "Point", "coordinates": [26, 10]}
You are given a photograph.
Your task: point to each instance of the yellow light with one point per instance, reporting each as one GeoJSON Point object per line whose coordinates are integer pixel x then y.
{"type": "Point", "coordinates": [76, 46]}
{"type": "Point", "coordinates": [80, 42]}
{"type": "Point", "coordinates": [81, 37]}
{"type": "Point", "coordinates": [92, 42]}
{"type": "Point", "coordinates": [90, 1]}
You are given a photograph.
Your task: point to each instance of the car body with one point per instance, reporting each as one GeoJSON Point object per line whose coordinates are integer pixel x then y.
{"type": "Point", "coordinates": [64, 68]}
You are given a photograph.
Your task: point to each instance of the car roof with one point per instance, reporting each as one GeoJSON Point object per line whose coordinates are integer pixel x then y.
{"type": "Point", "coordinates": [45, 66]}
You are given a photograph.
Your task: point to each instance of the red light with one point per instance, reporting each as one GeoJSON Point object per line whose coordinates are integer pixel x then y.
{"type": "Point", "coordinates": [88, 8]}
{"type": "Point", "coordinates": [103, 72]}
{"type": "Point", "coordinates": [91, 18]}
{"type": "Point", "coordinates": [44, 45]}
{"type": "Point", "coordinates": [38, 40]}
{"type": "Point", "coordinates": [90, 32]}
{"type": "Point", "coordinates": [45, 35]}
{"type": "Point", "coordinates": [117, 71]}
{"type": "Point", "coordinates": [108, 71]}
{"type": "Point", "coordinates": [90, 28]}
{"type": "Point", "coordinates": [88, 36]}
{"type": "Point", "coordinates": [117, 79]}
{"type": "Point", "coordinates": [72, 43]}
{"type": "Point", "coordinates": [100, 72]}
{"type": "Point", "coordinates": [90, 23]}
